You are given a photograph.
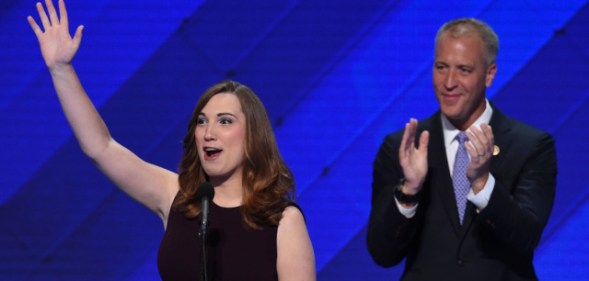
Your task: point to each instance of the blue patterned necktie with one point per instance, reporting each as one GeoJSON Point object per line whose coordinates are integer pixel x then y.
{"type": "Point", "coordinates": [461, 183]}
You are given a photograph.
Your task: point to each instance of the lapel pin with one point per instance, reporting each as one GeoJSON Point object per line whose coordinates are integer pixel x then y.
{"type": "Point", "coordinates": [496, 150]}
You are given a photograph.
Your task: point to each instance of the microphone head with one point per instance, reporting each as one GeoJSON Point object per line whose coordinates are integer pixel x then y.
{"type": "Point", "coordinates": [205, 190]}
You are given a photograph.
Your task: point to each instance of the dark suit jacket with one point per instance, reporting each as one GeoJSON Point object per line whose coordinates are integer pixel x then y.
{"type": "Point", "coordinates": [495, 244]}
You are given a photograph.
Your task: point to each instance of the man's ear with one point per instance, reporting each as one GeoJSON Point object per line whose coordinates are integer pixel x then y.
{"type": "Point", "coordinates": [491, 70]}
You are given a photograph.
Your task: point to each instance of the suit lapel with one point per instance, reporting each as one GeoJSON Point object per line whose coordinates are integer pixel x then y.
{"type": "Point", "coordinates": [501, 134]}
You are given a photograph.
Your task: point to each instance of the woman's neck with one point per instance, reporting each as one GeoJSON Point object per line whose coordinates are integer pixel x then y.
{"type": "Point", "coordinates": [228, 193]}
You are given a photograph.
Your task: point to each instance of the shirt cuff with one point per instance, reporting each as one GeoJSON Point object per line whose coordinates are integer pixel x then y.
{"type": "Point", "coordinates": [407, 212]}
{"type": "Point", "coordinates": [481, 199]}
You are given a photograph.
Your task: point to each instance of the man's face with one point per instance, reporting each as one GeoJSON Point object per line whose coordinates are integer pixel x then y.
{"type": "Point", "coordinates": [460, 78]}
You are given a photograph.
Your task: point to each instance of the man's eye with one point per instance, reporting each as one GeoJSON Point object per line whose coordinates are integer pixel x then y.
{"type": "Point", "coordinates": [466, 70]}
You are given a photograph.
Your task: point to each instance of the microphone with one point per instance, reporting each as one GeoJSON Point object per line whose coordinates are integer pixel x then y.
{"type": "Point", "coordinates": [205, 194]}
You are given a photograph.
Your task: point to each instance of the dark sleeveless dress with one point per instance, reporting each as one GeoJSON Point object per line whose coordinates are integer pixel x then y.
{"type": "Point", "coordinates": [234, 252]}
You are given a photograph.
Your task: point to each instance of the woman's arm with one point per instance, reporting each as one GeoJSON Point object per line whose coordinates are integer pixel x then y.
{"type": "Point", "coordinates": [152, 186]}
{"type": "Point", "coordinates": [296, 260]}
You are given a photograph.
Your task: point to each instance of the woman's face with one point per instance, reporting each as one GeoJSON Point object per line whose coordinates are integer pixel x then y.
{"type": "Point", "coordinates": [220, 137]}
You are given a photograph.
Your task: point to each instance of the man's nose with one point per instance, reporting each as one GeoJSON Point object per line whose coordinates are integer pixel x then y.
{"type": "Point", "coordinates": [450, 81]}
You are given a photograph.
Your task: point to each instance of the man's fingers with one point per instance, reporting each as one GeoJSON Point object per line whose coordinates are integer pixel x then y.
{"type": "Point", "coordinates": [403, 146]}
{"type": "Point", "coordinates": [480, 141]}
{"type": "Point", "coordinates": [409, 135]}
{"type": "Point", "coordinates": [423, 141]}
{"type": "Point", "coordinates": [475, 158]}
{"type": "Point", "coordinates": [473, 141]}
{"type": "Point", "coordinates": [488, 131]}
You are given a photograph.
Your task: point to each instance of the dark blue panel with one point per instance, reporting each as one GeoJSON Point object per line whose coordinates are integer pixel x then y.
{"type": "Point", "coordinates": [336, 76]}
{"type": "Point", "coordinates": [48, 209]}
{"type": "Point", "coordinates": [564, 256]}
{"type": "Point", "coordinates": [302, 46]}
{"type": "Point", "coordinates": [552, 93]}
{"type": "Point", "coordinates": [354, 263]}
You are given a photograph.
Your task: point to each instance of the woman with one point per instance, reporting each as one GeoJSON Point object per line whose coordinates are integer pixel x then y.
{"type": "Point", "coordinates": [256, 232]}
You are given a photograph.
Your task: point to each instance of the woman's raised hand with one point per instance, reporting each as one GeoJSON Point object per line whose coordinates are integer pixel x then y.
{"type": "Point", "coordinates": [57, 46]}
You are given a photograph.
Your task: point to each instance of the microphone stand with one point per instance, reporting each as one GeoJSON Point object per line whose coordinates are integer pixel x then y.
{"type": "Point", "coordinates": [205, 193]}
{"type": "Point", "coordinates": [203, 238]}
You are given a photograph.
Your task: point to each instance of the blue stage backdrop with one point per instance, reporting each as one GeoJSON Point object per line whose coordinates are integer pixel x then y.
{"type": "Point", "coordinates": [335, 76]}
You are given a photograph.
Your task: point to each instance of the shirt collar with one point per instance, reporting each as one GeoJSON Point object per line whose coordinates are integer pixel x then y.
{"type": "Point", "coordinates": [450, 132]}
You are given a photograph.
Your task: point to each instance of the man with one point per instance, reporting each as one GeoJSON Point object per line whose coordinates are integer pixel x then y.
{"type": "Point", "coordinates": [466, 193]}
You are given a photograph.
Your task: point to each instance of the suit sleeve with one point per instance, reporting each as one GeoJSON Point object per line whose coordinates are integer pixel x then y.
{"type": "Point", "coordinates": [520, 204]}
{"type": "Point", "coordinates": [389, 232]}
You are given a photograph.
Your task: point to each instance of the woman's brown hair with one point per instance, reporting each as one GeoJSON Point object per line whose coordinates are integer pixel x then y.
{"type": "Point", "coordinates": [268, 184]}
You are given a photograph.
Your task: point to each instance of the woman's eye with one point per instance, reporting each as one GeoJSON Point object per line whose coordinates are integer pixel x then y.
{"type": "Point", "coordinates": [225, 121]}
{"type": "Point", "coordinates": [201, 121]}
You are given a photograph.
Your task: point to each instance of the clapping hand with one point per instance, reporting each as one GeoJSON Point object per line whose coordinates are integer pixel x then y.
{"type": "Point", "coordinates": [413, 160]}
{"type": "Point", "coordinates": [480, 148]}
